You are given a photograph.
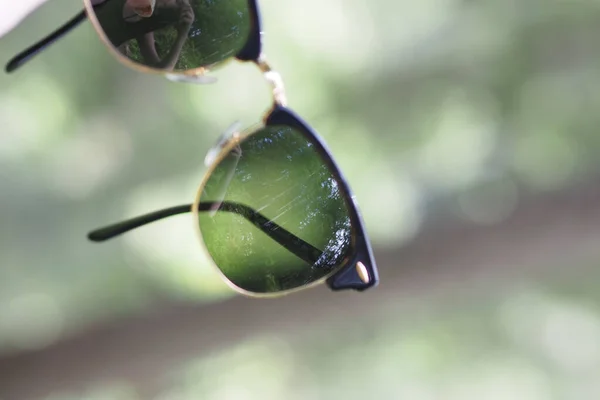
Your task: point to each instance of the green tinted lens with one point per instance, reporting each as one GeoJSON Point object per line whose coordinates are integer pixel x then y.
{"type": "Point", "coordinates": [175, 35]}
{"type": "Point", "coordinates": [272, 214]}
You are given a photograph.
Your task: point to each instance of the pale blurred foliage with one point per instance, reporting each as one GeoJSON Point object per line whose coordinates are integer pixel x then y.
{"type": "Point", "coordinates": [431, 108]}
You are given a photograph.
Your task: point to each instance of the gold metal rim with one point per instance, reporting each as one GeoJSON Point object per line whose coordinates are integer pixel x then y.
{"type": "Point", "coordinates": [195, 216]}
{"type": "Point", "coordinates": [271, 76]}
{"type": "Point", "coordinates": [200, 71]}
{"type": "Point", "coordinates": [279, 98]}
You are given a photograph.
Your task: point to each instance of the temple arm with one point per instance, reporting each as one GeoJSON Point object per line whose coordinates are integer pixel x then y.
{"type": "Point", "coordinates": [291, 242]}
{"type": "Point", "coordinates": [28, 53]}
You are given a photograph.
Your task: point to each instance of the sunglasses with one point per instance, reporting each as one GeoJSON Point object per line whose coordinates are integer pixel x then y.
{"type": "Point", "coordinates": [273, 212]}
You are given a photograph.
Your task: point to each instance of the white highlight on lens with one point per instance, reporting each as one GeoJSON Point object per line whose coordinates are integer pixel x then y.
{"type": "Point", "coordinates": [195, 79]}
{"type": "Point", "coordinates": [222, 142]}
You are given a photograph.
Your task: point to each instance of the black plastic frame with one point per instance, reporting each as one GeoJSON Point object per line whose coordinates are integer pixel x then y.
{"type": "Point", "coordinates": [250, 52]}
{"type": "Point", "coordinates": [345, 277]}
{"type": "Point", "coordinates": [348, 275]}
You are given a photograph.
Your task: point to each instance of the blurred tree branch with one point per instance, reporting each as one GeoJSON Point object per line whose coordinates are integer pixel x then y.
{"type": "Point", "coordinates": [14, 12]}
{"type": "Point", "coordinates": [544, 235]}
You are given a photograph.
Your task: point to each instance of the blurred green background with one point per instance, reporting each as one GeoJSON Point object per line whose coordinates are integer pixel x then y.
{"type": "Point", "coordinates": [440, 113]}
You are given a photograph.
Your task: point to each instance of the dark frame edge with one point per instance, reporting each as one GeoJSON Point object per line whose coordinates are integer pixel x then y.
{"type": "Point", "coordinates": [347, 277]}
{"type": "Point", "coordinates": [253, 48]}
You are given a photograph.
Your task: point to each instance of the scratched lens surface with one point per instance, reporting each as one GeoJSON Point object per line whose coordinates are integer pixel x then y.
{"type": "Point", "coordinates": [175, 35]}
{"type": "Point", "coordinates": [273, 216]}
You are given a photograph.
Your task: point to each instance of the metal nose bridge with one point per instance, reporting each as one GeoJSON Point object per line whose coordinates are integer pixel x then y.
{"type": "Point", "coordinates": [275, 80]}
{"type": "Point", "coordinates": [272, 77]}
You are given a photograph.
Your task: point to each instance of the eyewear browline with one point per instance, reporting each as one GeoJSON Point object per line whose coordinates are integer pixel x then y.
{"type": "Point", "coordinates": [359, 273]}
{"type": "Point", "coordinates": [272, 77]}
{"type": "Point", "coordinates": [250, 52]}
{"type": "Point", "coordinates": [351, 275]}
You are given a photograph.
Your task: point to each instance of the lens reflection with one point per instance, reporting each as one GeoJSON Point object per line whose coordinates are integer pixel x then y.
{"type": "Point", "coordinates": [281, 220]}
{"type": "Point", "coordinates": [175, 35]}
